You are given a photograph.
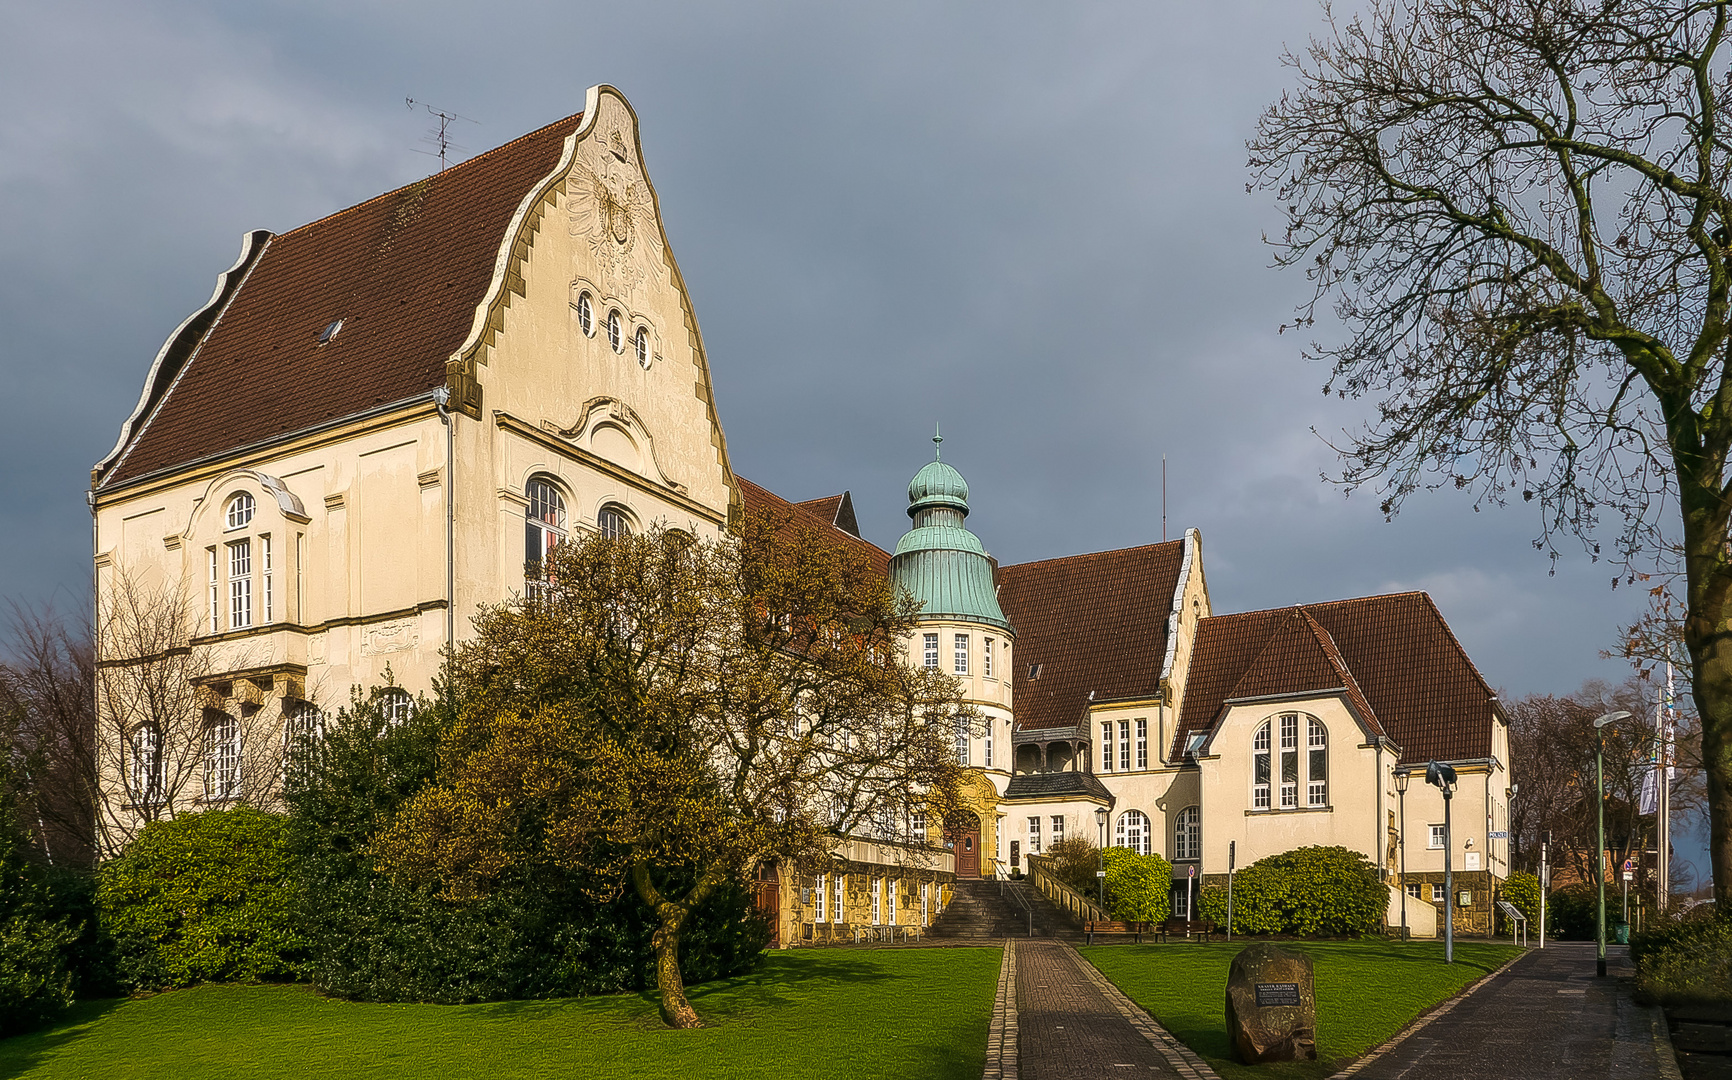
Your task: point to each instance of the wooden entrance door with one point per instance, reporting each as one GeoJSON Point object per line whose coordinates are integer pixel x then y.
{"type": "Point", "coordinates": [770, 901]}
{"type": "Point", "coordinates": [962, 837]}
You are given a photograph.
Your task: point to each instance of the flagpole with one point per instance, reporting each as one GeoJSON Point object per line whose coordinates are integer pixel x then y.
{"type": "Point", "coordinates": [1663, 861]}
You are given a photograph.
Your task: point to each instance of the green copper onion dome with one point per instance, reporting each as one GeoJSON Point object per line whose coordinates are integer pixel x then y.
{"type": "Point", "coordinates": [939, 560]}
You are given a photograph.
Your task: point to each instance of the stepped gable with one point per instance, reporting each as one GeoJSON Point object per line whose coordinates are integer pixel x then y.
{"type": "Point", "coordinates": [404, 271]}
{"type": "Point", "coordinates": [1394, 656]}
{"type": "Point", "coordinates": [1092, 623]}
{"type": "Point", "coordinates": [759, 499]}
{"type": "Point", "coordinates": [838, 510]}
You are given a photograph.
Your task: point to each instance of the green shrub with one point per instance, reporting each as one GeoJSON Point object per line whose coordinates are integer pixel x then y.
{"type": "Point", "coordinates": [1522, 890]}
{"type": "Point", "coordinates": [1074, 862]}
{"type": "Point", "coordinates": [50, 945]}
{"type": "Point", "coordinates": [35, 983]}
{"type": "Point", "coordinates": [1571, 913]}
{"type": "Point", "coordinates": [539, 935]}
{"type": "Point", "coordinates": [1308, 892]}
{"type": "Point", "coordinates": [202, 898]}
{"type": "Point", "coordinates": [1684, 962]}
{"type": "Point", "coordinates": [1139, 887]}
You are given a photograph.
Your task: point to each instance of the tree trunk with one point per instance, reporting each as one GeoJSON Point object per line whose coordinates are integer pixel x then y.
{"type": "Point", "coordinates": [1708, 636]}
{"type": "Point", "coordinates": [677, 1012]}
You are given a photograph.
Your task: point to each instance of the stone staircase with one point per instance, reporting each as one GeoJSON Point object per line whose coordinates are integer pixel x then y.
{"type": "Point", "coordinates": [980, 910]}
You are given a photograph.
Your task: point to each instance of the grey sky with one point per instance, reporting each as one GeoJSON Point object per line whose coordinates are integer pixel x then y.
{"type": "Point", "coordinates": [1028, 222]}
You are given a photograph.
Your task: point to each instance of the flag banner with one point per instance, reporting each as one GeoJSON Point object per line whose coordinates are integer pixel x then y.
{"type": "Point", "coordinates": [1650, 792]}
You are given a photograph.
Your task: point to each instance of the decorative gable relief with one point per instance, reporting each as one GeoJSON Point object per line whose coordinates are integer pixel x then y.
{"type": "Point", "coordinates": [609, 428]}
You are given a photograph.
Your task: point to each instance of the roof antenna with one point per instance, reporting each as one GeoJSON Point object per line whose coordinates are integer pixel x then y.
{"type": "Point", "coordinates": [937, 447]}
{"type": "Point", "coordinates": [1163, 498]}
{"type": "Point", "coordinates": [441, 135]}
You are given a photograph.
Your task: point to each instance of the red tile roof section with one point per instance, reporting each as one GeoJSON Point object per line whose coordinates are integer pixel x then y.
{"type": "Point", "coordinates": [1301, 656]}
{"type": "Point", "coordinates": [758, 499]}
{"type": "Point", "coordinates": [1092, 622]}
{"type": "Point", "coordinates": [1402, 665]}
{"type": "Point", "coordinates": [404, 271]}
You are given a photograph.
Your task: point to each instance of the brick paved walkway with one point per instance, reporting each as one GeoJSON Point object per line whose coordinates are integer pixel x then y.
{"type": "Point", "coordinates": [1068, 1028]}
{"type": "Point", "coordinates": [1545, 1018]}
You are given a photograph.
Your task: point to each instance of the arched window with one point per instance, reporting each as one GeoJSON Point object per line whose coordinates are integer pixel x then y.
{"type": "Point", "coordinates": [543, 528]}
{"type": "Point", "coordinates": [222, 756]}
{"type": "Point", "coordinates": [1133, 832]}
{"type": "Point", "coordinates": [615, 334]}
{"type": "Point", "coordinates": [396, 706]}
{"type": "Point", "coordinates": [240, 511]}
{"type": "Point", "coordinates": [642, 344]}
{"type": "Point", "coordinates": [146, 766]}
{"type": "Point", "coordinates": [1309, 771]}
{"type": "Point", "coordinates": [585, 315]}
{"type": "Point", "coordinates": [1188, 835]}
{"type": "Point", "coordinates": [613, 522]}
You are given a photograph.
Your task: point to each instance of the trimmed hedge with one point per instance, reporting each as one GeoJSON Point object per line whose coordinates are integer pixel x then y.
{"type": "Point", "coordinates": [1307, 892]}
{"type": "Point", "coordinates": [202, 897]}
{"type": "Point", "coordinates": [1522, 890]}
{"type": "Point", "coordinates": [1139, 887]}
{"type": "Point", "coordinates": [1685, 962]}
{"type": "Point", "coordinates": [539, 935]}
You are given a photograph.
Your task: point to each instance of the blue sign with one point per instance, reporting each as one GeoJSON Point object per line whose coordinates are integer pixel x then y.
{"type": "Point", "coordinates": [1499, 835]}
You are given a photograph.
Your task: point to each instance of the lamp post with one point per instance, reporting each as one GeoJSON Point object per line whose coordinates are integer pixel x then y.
{"type": "Point", "coordinates": [1401, 781]}
{"type": "Point", "coordinates": [1600, 856]}
{"type": "Point", "coordinates": [1442, 777]}
{"type": "Point", "coordinates": [1101, 858]}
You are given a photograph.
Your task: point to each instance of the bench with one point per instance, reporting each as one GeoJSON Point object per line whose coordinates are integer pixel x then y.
{"type": "Point", "coordinates": [1201, 928]}
{"type": "Point", "coordinates": [1136, 928]}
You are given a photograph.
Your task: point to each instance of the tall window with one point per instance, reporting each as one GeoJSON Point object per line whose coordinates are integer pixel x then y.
{"type": "Point", "coordinates": [301, 578]}
{"type": "Point", "coordinates": [890, 899]}
{"type": "Point", "coordinates": [986, 658]}
{"type": "Point", "coordinates": [1309, 770]}
{"type": "Point", "coordinates": [585, 315]}
{"type": "Point", "coordinates": [1188, 834]}
{"type": "Point", "coordinates": [1133, 831]}
{"type": "Point", "coordinates": [396, 705]}
{"type": "Point", "coordinates": [615, 335]}
{"type": "Point", "coordinates": [877, 900]}
{"type": "Point", "coordinates": [1436, 837]}
{"type": "Point", "coordinates": [1317, 743]}
{"type": "Point", "coordinates": [1106, 746]}
{"type": "Point", "coordinates": [819, 897]}
{"type": "Point", "coordinates": [240, 584]}
{"type": "Point", "coordinates": [1142, 744]}
{"type": "Point", "coordinates": [961, 741]}
{"type": "Point", "coordinates": [986, 744]}
{"type": "Point", "coordinates": [961, 654]}
{"type": "Point", "coordinates": [917, 827]}
{"type": "Point", "coordinates": [146, 772]}
{"type": "Point", "coordinates": [1057, 828]}
{"type": "Point", "coordinates": [838, 908]}
{"type": "Point", "coordinates": [640, 343]}
{"type": "Point", "coordinates": [265, 598]}
{"type": "Point", "coordinates": [931, 643]}
{"type": "Point", "coordinates": [1125, 745]}
{"type": "Point", "coordinates": [239, 512]}
{"type": "Point", "coordinates": [1034, 835]}
{"type": "Point", "coordinates": [216, 601]}
{"type": "Point", "coordinates": [1181, 896]}
{"type": "Point", "coordinates": [612, 522]}
{"type": "Point", "coordinates": [303, 726]}
{"type": "Point", "coordinates": [222, 756]}
{"type": "Point", "coordinates": [543, 530]}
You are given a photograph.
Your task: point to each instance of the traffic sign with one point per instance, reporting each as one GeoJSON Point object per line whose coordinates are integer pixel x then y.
{"type": "Point", "coordinates": [1192, 873]}
{"type": "Point", "coordinates": [1628, 876]}
{"type": "Point", "coordinates": [1498, 835]}
{"type": "Point", "coordinates": [1629, 866]}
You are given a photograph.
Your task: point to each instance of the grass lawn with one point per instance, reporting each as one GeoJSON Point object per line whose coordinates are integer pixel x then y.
{"type": "Point", "coordinates": [1366, 992]}
{"type": "Point", "coordinates": [892, 1012]}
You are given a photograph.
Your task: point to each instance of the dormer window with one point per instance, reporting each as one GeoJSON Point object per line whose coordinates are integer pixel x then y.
{"type": "Point", "coordinates": [615, 334]}
{"type": "Point", "coordinates": [240, 511]}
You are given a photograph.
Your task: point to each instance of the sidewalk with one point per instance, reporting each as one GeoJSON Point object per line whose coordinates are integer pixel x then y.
{"type": "Point", "coordinates": [1546, 1018]}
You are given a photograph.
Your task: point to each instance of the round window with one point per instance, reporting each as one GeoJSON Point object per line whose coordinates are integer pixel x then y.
{"type": "Point", "coordinates": [240, 511]}
{"type": "Point", "coordinates": [585, 315]}
{"type": "Point", "coordinates": [615, 336]}
{"type": "Point", "coordinates": [643, 347]}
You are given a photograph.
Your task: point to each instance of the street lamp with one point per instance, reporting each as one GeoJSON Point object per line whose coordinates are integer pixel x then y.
{"type": "Point", "coordinates": [1600, 856]}
{"type": "Point", "coordinates": [1402, 778]}
{"type": "Point", "coordinates": [1101, 858]}
{"type": "Point", "coordinates": [1442, 777]}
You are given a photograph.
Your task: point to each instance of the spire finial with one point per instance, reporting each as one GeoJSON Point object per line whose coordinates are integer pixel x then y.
{"type": "Point", "coordinates": [937, 444]}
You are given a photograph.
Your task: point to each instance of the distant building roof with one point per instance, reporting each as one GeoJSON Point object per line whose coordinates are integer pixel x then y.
{"type": "Point", "coordinates": [1089, 623]}
{"type": "Point", "coordinates": [1393, 657]}
{"type": "Point", "coordinates": [757, 499]}
{"type": "Point", "coordinates": [837, 509]}
{"type": "Point", "coordinates": [1057, 785]}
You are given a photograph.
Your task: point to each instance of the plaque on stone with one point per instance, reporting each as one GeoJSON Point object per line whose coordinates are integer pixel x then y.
{"type": "Point", "coordinates": [1271, 1006]}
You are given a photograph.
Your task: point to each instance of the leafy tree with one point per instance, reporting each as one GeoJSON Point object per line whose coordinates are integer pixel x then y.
{"type": "Point", "coordinates": [1522, 890]}
{"type": "Point", "coordinates": [665, 715]}
{"type": "Point", "coordinates": [1521, 211]}
{"type": "Point", "coordinates": [1139, 887]}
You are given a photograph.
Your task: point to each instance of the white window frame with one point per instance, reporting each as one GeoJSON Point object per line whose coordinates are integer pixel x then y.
{"type": "Point", "coordinates": [396, 706]}
{"type": "Point", "coordinates": [1034, 834]}
{"type": "Point", "coordinates": [1437, 894]}
{"type": "Point", "coordinates": [240, 566]}
{"type": "Point", "coordinates": [986, 658]}
{"type": "Point", "coordinates": [1289, 761]}
{"type": "Point", "coordinates": [917, 826]}
{"type": "Point", "coordinates": [544, 523]}
{"type": "Point", "coordinates": [1181, 900]}
{"type": "Point", "coordinates": [840, 907]}
{"type": "Point", "coordinates": [1262, 765]}
{"type": "Point", "coordinates": [239, 511]}
{"type": "Point", "coordinates": [1188, 835]}
{"type": "Point", "coordinates": [1142, 743]}
{"type": "Point", "coordinates": [1436, 843]}
{"type": "Point", "coordinates": [1316, 762]}
{"type": "Point", "coordinates": [961, 741]}
{"type": "Point", "coordinates": [1124, 746]}
{"type": "Point", "coordinates": [925, 903]}
{"type": "Point", "coordinates": [146, 766]}
{"type": "Point", "coordinates": [930, 642]}
{"type": "Point", "coordinates": [986, 744]}
{"type": "Point", "coordinates": [960, 656]}
{"type": "Point", "coordinates": [585, 314]}
{"type": "Point", "coordinates": [300, 577]}
{"type": "Point", "coordinates": [890, 900]}
{"type": "Point", "coordinates": [612, 522]}
{"type": "Point", "coordinates": [216, 590]}
{"type": "Point", "coordinates": [1414, 890]}
{"type": "Point", "coordinates": [1106, 746]}
{"type": "Point", "coordinates": [641, 346]}
{"type": "Point", "coordinates": [265, 598]}
{"type": "Point", "coordinates": [1058, 828]}
{"type": "Point", "coordinates": [820, 898]}
{"type": "Point", "coordinates": [1132, 832]}
{"type": "Point", "coordinates": [222, 757]}
{"type": "Point", "coordinates": [615, 331]}
{"type": "Point", "coordinates": [877, 901]}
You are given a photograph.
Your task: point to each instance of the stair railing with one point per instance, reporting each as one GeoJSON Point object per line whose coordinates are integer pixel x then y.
{"type": "Point", "coordinates": [1080, 907]}
{"type": "Point", "coordinates": [1027, 909]}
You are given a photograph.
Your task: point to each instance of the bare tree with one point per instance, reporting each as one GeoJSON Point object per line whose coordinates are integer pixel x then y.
{"type": "Point", "coordinates": [47, 700]}
{"type": "Point", "coordinates": [168, 737]}
{"type": "Point", "coordinates": [1520, 211]}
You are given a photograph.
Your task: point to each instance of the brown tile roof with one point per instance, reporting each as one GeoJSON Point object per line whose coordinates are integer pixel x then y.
{"type": "Point", "coordinates": [404, 271]}
{"type": "Point", "coordinates": [1402, 668]}
{"type": "Point", "coordinates": [838, 510]}
{"type": "Point", "coordinates": [1092, 623]}
{"type": "Point", "coordinates": [757, 499]}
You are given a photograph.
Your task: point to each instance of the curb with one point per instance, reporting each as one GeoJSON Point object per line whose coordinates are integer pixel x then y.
{"type": "Point", "coordinates": [1663, 1048]}
{"type": "Point", "coordinates": [1002, 1058]}
{"type": "Point", "coordinates": [1419, 1022]}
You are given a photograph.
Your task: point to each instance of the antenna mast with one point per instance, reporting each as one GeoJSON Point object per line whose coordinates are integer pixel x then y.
{"type": "Point", "coordinates": [1163, 498]}
{"type": "Point", "coordinates": [439, 136]}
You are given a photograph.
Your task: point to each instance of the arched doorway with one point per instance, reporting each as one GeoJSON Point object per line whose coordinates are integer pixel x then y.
{"type": "Point", "coordinates": [962, 839]}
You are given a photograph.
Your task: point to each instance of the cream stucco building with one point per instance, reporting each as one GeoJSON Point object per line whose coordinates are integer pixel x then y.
{"type": "Point", "coordinates": [382, 419]}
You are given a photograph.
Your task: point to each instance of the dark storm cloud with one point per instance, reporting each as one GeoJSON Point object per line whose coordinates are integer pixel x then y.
{"type": "Point", "coordinates": [1028, 223]}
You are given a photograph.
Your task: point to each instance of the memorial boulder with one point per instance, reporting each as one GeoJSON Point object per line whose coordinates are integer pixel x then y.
{"type": "Point", "coordinates": [1271, 1006]}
